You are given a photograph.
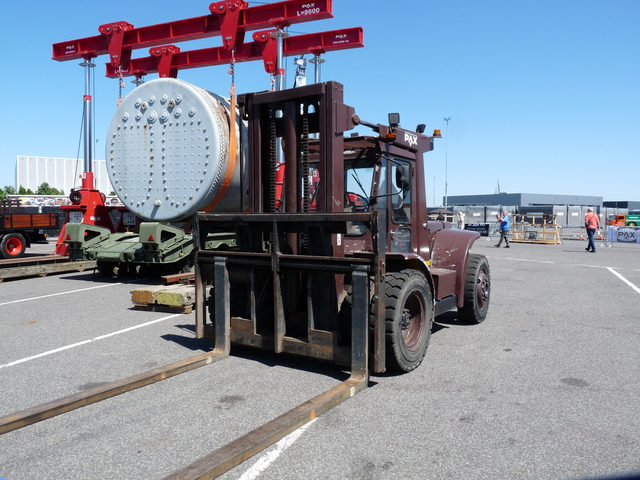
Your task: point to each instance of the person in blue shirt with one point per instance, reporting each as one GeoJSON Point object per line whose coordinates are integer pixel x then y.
{"type": "Point", "coordinates": [505, 225]}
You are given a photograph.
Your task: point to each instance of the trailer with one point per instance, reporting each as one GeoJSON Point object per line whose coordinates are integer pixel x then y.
{"type": "Point", "coordinates": [20, 227]}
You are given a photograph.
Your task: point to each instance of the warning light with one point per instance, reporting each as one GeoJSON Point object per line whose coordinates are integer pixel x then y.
{"type": "Point", "coordinates": [436, 133]}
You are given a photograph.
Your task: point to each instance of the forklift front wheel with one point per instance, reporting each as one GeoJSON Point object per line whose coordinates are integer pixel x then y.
{"type": "Point", "coordinates": [409, 318]}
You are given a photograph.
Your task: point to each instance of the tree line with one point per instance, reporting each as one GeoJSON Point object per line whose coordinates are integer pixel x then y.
{"type": "Point", "coordinates": [43, 189]}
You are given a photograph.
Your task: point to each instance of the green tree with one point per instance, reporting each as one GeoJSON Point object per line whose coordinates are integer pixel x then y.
{"type": "Point", "coordinates": [45, 189]}
{"type": "Point", "coordinates": [10, 190]}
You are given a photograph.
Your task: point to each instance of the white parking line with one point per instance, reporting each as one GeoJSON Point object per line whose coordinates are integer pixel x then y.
{"type": "Point", "coordinates": [61, 293]}
{"type": "Point", "coordinates": [624, 279]}
{"type": "Point", "coordinates": [84, 342]}
{"type": "Point", "coordinates": [268, 458]}
{"type": "Point", "coordinates": [528, 260]}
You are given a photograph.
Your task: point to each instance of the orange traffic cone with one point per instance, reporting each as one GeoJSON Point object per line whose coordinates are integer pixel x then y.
{"type": "Point", "coordinates": [581, 237]}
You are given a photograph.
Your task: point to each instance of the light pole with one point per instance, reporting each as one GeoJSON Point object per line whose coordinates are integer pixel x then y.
{"type": "Point", "coordinates": [446, 164]}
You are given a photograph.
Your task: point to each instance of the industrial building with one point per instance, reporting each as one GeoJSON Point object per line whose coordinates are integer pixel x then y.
{"type": "Point", "coordinates": [567, 210]}
{"type": "Point", "coordinates": [60, 173]}
{"type": "Point", "coordinates": [525, 200]}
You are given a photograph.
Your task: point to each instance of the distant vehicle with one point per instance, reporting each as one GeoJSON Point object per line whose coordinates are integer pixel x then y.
{"type": "Point", "coordinates": [632, 220]}
{"type": "Point", "coordinates": [19, 228]}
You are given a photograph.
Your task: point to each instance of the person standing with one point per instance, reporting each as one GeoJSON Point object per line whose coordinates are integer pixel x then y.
{"type": "Point", "coordinates": [591, 223]}
{"type": "Point", "coordinates": [505, 226]}
{"type": "Point", "coordinates": [460, 222]}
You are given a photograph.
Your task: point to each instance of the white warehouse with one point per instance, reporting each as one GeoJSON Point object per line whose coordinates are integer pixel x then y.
{"type": "Point", "coordinates": [60, 173]}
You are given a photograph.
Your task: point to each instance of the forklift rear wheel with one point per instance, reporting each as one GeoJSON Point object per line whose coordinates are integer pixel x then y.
{"type": "Point", "coordinates": [477, 290]}
{"type": "Point", "coordinates": [13, 245]}
{"type": "Point", "coordinates": [408, 318]}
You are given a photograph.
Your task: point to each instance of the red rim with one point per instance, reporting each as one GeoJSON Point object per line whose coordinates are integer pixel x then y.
{"type": "Point", "coordinates": [14, 246]}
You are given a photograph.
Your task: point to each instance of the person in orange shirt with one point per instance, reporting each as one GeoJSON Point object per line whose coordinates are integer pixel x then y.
{"type": "Point", "coordinates": [591, 223]}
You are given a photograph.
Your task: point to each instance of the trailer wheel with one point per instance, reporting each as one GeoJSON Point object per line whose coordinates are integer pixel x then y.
{"type": "Point", "coordinates": [105, 268]}
{"type": "Point", "coordinates": [13, 245]}
{"type": "Point", "coordinates": [408, 318]}
{"type": "Point", "coordinates": [477, 290]}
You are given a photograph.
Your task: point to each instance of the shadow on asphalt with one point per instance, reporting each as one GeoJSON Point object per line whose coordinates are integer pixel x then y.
{"type": "Point", "coordinates": [265, 357]}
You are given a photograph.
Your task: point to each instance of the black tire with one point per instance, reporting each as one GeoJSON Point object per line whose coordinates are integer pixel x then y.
{"type": "Point", "coordinates": [105, 268]}
{"type": "Point", "coordinates": [13, 245]}
{"type": "Point", "coordinates": [477, 290]}
{"type": "Point", "coordinates": [75, 196]}
{"type": "Point", "coordinates": [408, 319]}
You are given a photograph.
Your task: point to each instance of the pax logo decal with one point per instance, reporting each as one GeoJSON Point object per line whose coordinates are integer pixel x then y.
{"type": "Point", "coordinates": [410, 139]}
{"type": "Point", "coordinates": [627, 235]}
{"type": "Point", "coordinates": [308, 9]}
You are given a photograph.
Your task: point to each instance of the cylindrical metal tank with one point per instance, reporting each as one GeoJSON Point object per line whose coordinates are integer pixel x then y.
{"type": "Point", "coordinates": [168, 152]}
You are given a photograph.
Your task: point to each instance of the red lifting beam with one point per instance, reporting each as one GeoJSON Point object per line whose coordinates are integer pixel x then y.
{"type": "Point", "coordinates": [222, 21]}
{"type": "Point", "coordinates": [298, 45]}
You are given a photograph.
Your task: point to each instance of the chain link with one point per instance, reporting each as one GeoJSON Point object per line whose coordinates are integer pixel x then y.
{"type": "Point", "coordinates": [121, 85]}
{"type": "Point", "coordinates": [232, 72]}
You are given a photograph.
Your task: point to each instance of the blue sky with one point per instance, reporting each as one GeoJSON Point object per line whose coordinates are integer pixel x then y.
{"type": "Point", "coordinates": [544, 95]}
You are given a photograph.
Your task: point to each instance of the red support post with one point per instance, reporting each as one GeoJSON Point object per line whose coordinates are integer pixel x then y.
{"type": "Point", "coordinates": [229, 12]}
{"type": "Point", "coordinates": [115, 35]}
{"type": "Point", "coordinates": [164, 56]}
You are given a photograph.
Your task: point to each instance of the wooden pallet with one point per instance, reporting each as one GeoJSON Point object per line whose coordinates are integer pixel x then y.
{"type": "Point", "coordinates": [164, 298]}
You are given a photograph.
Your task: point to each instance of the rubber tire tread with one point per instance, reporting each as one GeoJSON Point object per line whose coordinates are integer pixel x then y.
{"type": "Point", "coordinates": [469, 313]}
{"type": "Point", "coordinates": [394, 284]}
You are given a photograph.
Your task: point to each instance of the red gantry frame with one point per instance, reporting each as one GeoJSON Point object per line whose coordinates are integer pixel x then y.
{"type": "Point", "coordinates": [230, 19]}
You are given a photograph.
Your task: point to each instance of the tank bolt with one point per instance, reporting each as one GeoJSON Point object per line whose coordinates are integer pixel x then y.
{"type": "Point", "coordinates": [144, 106]}
{"type": "Point", "coordinates": [177, 113]}
{"type": "Point", "coordinates": [125, 117]}
{"type": "Point", "coordinates": [157, 203]}
{"type": "Point", "coordinates": [152, 116]}
{"type": "Point", "coordinates": [178, 98]}
{"type": "Point", "coordinates": [172, 103]}
{"type": "Point", "coordinates": [138, 103]}
{"type": "Point", "coordinates": [192, 111]}
{"type": "Point", "coordinates": [164, 99]}
{"type": "Point", "coordinates": [152, 100]}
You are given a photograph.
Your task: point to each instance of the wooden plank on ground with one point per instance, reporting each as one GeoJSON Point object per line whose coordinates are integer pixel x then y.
{"type": "Point", "coordinates": [43, 270]}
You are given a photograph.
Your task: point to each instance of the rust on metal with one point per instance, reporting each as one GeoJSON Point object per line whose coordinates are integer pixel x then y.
{"type": "Point", "coordinates": [72, 402]}
{"type": "Point", "coordinates": [225, 458]}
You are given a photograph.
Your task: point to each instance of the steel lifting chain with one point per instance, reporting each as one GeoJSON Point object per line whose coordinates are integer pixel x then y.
{"type": "Point", "coordinates": [120, 85]}
{"type": "Point", "coordinates": [232, 72]}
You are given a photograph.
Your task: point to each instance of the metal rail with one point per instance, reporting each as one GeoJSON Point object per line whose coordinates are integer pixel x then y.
{"type": "Point", "coordinates": [120, 37]}
{"type": "Point", "coordinates": [41, 266]}
{"type": "Point", "coordinates": [168, 59]}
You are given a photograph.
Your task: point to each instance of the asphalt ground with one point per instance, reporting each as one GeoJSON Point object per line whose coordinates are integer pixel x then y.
{"type": "Point", "coordinates": [546, 388]}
